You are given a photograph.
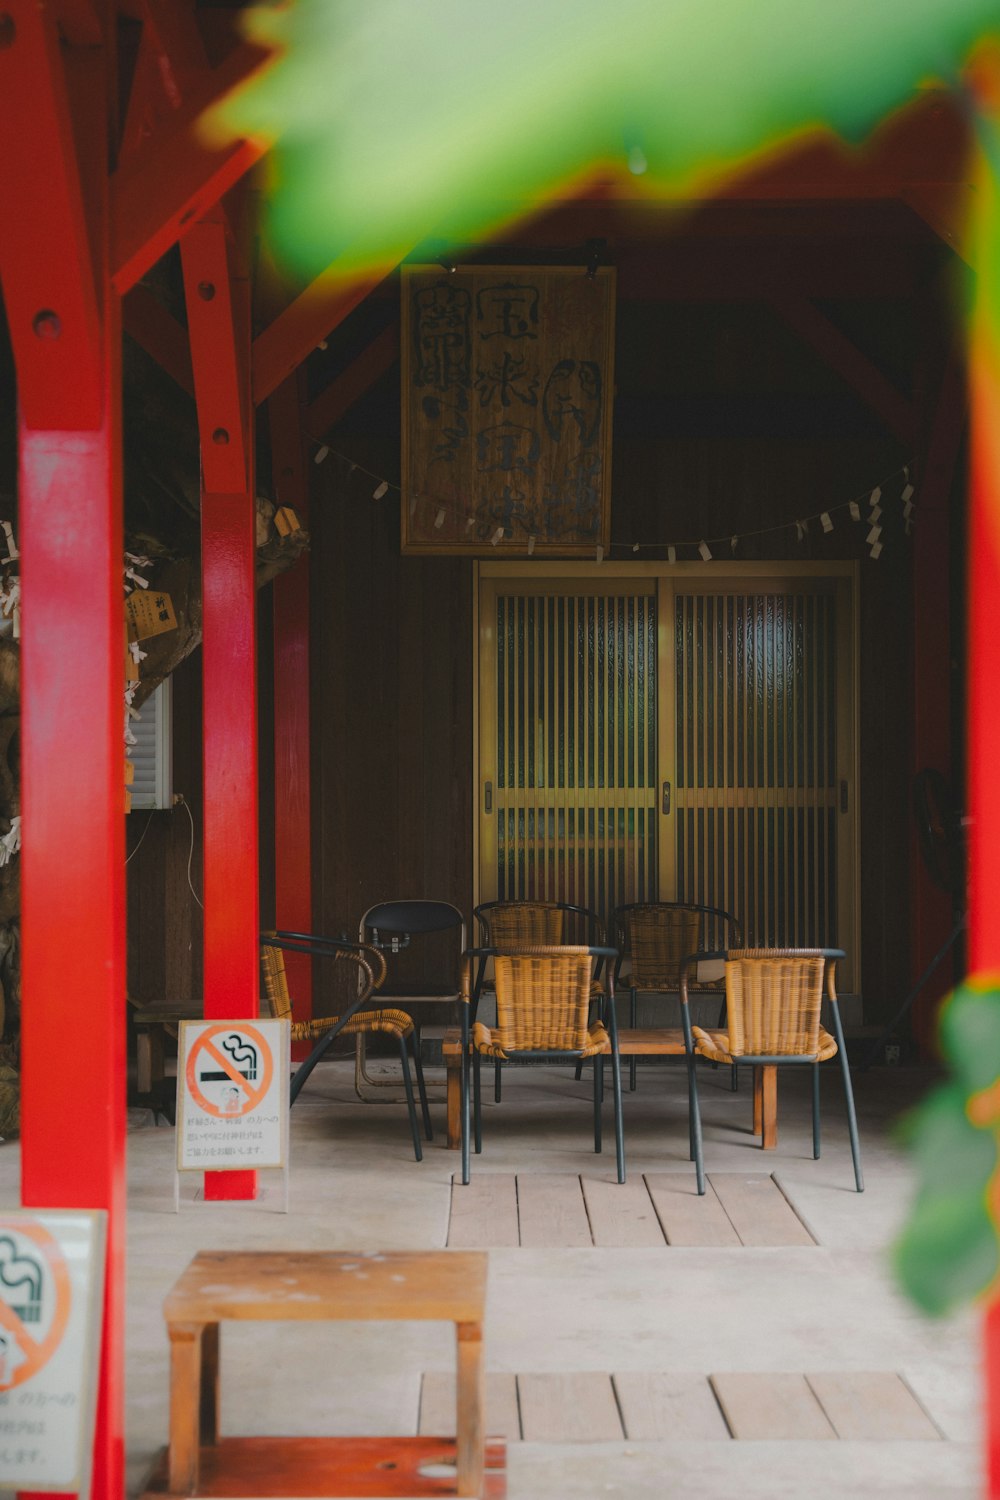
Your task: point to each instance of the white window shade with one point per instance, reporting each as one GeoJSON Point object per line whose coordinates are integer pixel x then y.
{"type": "Point", "coordinates": [152, 786]}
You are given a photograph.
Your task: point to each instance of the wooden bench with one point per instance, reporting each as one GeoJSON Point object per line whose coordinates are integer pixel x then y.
{"type": "Point", "coordinates": [654, 1041]}
{"type": "Point", "coordinates": [440, 1286]}
{"type": "Point", "coordinates": [152, 1021]}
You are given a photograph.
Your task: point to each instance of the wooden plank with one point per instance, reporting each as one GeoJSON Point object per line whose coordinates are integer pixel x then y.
{"type": "Point", "coordinates": [687, 1219]}
{"type": "Point", "coordinates": [437, 1405]}
{"type": "Point", "coordinates": [875, 1405]}
{"type": "Point", "coordinates": [767, 1406]}
{"type": "Point", "coordinates": [552, 1212]}
{"type": "Point", "coordinates": [622, 1216]}
{"type": "Point", "coordinates": [484, 1212]}
{"type": "Point", "coordinates": [658, 1408]}
{"type": "Point", "coordinates": [576, 1408]}
{"type": "Point", "coordinates": [760, 1212]}
{"type": "Point", "coordinates": [310, 1284]}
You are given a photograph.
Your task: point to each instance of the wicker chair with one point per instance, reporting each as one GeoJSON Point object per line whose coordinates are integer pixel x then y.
{"type": "Point", "coordinates": [774, 999]}
{"type": "Point", "coordinates": [543, 1013]}
{"type": "Point", "coordinates": [505, 924]}
{"type": "Point", "coordinates": [354, 1021]}
{"type": "Point", "coordinates": [656, 936]}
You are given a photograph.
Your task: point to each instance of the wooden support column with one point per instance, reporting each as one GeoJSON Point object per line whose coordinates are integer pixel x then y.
{"type": "Point", "coordinates": [292, 791]}
{"type": "Point", "coordinates": [65, 330]}
{"type": "Point", "coordinates": [219, 323]}
{"type": "Point", "coordinates": [933, 916]}
{"type": "Point", "coordinates": [983, 739]}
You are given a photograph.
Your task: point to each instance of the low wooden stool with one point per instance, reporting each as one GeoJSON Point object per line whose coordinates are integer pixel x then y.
{"type": "Point", "coordinates": [152, 1018]}
{"type": "Point", "coordinates": [439, 1286]}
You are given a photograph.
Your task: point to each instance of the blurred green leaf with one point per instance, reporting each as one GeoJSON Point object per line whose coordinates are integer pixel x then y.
{"type": "Point", "coordinates": [397, 121]}
{"type": "Point", "coordinates": [948, 1252]}
{"type": "Point", "coordinates": [970, 1034]}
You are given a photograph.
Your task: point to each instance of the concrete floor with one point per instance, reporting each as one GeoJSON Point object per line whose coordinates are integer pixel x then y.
{"type": "Point", "coordinates": [355, 1185]}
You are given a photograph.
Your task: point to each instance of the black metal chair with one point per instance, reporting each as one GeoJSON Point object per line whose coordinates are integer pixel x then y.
{"type": "Point", "coordinates": [503, 924]}
{"type": "Point", "coordinates": [422, 942]}
{"type": "Point", "coordinates": [774, 999]}
{"type": "Point", "coordinates": [656, 936]}
{"type": "Point", "coordinates": [543, 998]}
{"type": "Point", "coordinates": [353, 1020]}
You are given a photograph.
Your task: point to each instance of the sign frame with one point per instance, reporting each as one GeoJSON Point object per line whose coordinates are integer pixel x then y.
{"type": "Point", "coordinates": [271, 1039]}
{"type": "Point", "coordinates": [73, 1261]}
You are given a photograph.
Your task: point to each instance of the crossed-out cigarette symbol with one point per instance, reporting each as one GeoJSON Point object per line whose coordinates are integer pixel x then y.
{"type": "Point", "coordinates": [239, 1059]}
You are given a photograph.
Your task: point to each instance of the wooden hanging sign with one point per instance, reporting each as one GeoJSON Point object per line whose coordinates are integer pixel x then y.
{"type": "Point", "coordinates": [149, 612]}
{"type": "Point", "coordinates": [507, 390]}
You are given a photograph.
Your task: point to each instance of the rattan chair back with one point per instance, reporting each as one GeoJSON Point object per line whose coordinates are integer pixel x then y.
{"type": "Point", "coordinates": [543, 998]}
{"type": "Point", "coordinates": [504, 924]}
{"type": "Point", "coordinates": [773, 1000]}
{"type": "Point", "coordinates": [657, 937]}
{"type": "Point", "coordinates": [275, 981]}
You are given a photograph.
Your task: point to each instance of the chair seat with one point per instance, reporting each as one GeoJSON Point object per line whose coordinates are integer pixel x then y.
{"type": "Point", "coordinates": [395, 1022]}
{"type": "Point", "coordinates": [597, 1041]}
{"type": "Point", "coordinates": [715, 1046]}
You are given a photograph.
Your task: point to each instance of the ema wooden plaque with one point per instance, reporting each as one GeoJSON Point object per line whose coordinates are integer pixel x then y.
{"type": "Point", "coordinates": [507, 385]}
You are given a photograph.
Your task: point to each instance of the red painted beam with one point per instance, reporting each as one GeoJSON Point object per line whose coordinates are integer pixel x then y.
{"type": "Point", "coordinates": [294, 333]}
{"type": "Point", "coordinates": [218, 307]}
{"type": "Point", "coordinates": [219, 370]}
{"type": "Point", "coordinates": [292, 790]}
{"type": "Point", "coordinates": [932, 916]}
{"type": "Point", "coordinates": [160, 334]}
{"type": "Point", "coordinates": [180, 177]}
{"type": "Point", "coordinates": [51, 298]}
{"type": "Point", "coordinates": [361, 374]}
{"type": "Point", "coordinates": [983, 738]}
{"type": "Point", "coordinates": [844, 356]}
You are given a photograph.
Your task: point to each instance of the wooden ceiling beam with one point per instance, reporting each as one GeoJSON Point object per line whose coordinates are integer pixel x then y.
{"type": "Point", "coordinates": [326, 410]}
{"type": "Point", "coordinates": [158, 332]}
{"type": "Point", "coordinates": [178, 178]}
{"type": "Point", "coordinates": [844, 356]}
{"type": "Point", "coordinates": [305, 323]}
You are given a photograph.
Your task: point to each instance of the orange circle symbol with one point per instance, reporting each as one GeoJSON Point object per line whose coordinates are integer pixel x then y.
{"type": "Point", "coordinates": [37, 1352]}
{"type": "Point", "coordinates": [253, 1093]}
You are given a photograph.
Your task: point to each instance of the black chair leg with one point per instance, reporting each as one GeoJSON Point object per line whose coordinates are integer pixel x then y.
{"type": "Point", "coordinates": [465, 1115]}
{"type": "Point", "coordinates": [421, 1086]}
{"type": "Point", "coordinates": [815, 1111]}
{"type": "Point", "coordinates": [598, 1093]}
{"type": "Point", "coordinates": [852, 1120]}
{"type": "Point", "coordinates": [410, 1104]}
{"type": "Point", "coordinates": [694, 1118]}
{"type": "Point", "coordinates": [734, 1079]}
{"type": "Point", "coordinates": [616, 1080]}
{"type": "Point", "coordinates": [633, 1012]}
{"type": "Point", "coordinates": [496, 1080]}
{"type": "Point", "coordinates": [477, 1100]}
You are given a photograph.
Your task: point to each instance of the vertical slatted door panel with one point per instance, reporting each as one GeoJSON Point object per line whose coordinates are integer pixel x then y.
{"type": "Point", "coordinates": [573, 684]}
{"type": "Point", "coordinates": [756, 761]}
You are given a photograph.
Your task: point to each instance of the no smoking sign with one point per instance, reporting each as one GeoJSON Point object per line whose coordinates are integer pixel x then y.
{"type": "Point", "coordinates": [232, 1095]}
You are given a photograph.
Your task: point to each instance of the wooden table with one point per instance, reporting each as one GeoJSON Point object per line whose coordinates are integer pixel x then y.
{"type": "Point", "coordinates": [654, 1041]}
{"type": "Point", "coordinates": [440, 1286]}
{"type": "Point", "coordinates": [152, 1018]}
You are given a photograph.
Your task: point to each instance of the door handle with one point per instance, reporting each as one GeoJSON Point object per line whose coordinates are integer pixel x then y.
{"type": "Point", "coordinates": [488, 797]}
{"type": "Point", "coordinates": [666, 797]}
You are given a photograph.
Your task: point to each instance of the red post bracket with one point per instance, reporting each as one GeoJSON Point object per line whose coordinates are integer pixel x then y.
{"type": "Point", "coordinates": [51, 296]}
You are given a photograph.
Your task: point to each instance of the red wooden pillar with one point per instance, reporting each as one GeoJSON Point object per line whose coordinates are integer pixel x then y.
{"type": "Point", "coordinates": [292, 841]}
{"type": "Point", "coordinates": [219, 325]}
{"type": "Point", "coordinates": [65, 330]}
{"type": "Point", "coordinates": [933, 915]}
{"type": "Point", "coordinates": [984, 738]}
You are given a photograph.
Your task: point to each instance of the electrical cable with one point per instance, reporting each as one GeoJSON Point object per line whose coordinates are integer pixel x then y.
{"type": "Point", "coordinates": [183, 802]}
{"type": "Point", "coordinates": [135, 851]}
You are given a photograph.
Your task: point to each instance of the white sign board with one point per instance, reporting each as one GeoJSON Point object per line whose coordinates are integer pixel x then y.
{"type": "Point", "coordinates": [232, 1095]}
{"type": "Point", "coordinates": [51, 1296]}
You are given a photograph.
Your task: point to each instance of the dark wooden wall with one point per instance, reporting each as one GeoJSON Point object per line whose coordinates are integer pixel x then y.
{"type": "Point", "coordinates": [725, 423]}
